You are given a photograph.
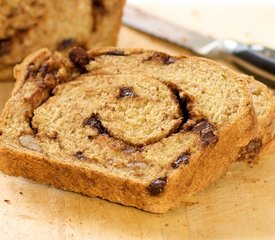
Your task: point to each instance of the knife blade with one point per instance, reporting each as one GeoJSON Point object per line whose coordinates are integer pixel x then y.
{"type": "Point", "coordinates": [255, 59]}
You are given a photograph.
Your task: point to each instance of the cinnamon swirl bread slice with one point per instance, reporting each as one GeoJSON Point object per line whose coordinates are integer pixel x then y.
{"type": "Point", "coordinates": [136, 127]}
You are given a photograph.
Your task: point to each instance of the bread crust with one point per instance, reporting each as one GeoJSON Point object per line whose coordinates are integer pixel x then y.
{"type": "Point", "coordinates": [208, 161]}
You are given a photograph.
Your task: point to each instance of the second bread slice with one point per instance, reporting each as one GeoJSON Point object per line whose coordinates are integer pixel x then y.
{"type": "Point", "coordinates": [264, 103]}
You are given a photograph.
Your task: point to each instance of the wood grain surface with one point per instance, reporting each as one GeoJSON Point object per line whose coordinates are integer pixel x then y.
{"type": "Point", "coordinates": [239, 206]}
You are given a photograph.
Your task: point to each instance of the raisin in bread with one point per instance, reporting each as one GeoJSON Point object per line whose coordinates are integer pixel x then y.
{"type": "Point", "coordinates": [136, 127]}
{"type": "Point", "coordinates": [264, 103]}
{"type": "Point", "coordinates": [27, 25]}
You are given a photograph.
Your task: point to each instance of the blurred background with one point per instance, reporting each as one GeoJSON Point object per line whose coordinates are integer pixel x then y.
{"type": "Point", "coordinates": [249, 21]}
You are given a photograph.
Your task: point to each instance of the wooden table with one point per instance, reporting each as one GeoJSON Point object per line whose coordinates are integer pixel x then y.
{"type": "Point", "coordinates": [239, 206]}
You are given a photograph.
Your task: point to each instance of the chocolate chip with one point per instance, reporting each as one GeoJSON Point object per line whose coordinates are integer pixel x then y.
{"type": "Point", "coordinates": [254, 146]}
{"type": "Point", "coordinates": [7, 201]}
{"type": "Point", "coordinates": [32, 70]}
{"type": "Point", "coordinates": [170, 60]}
{"type": "Point", "coordinates": [182, 159]}
{"type": "Point", "coordinates": [208, 138]}
{"type": "Point", "coordinates": [44, 69]}
{"type": "Point", "coordinates": [5, 46]}
{"type": "Point", "coordinates": [46, 73]}
{"type": "Point", "coordinates": [162, 57]}
{"type": "Point", "coordinates": [203, 126]}
{"type": "Point", "coordinates": [1, 133]}
{"type": "Point", "coordinates": [206, 130]}
{"type": "Point", "coordinates": [79, 155]}
{"type": "Point", "coordinates": [65, 44]}
{"type": "Point", "coordinates": [80, 58]}
{"type": "Point", "coordinates": [98, 6]}
{"type": "Point", "coordinates": [90, 137]}
{"type": "Point", "coordinates": [99, 11]}
{"type": "Point", "coordinates": [126, 92]}
{"type": "Point", "coordinates": [94, 121]}
{"type": "Point", "coordinates": [115, 53]}
{"type": "Point", "coordinates": [157, 186]}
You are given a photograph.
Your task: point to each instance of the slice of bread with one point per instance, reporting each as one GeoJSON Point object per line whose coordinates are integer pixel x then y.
{"type": "Point", "coordinates": [264, 103]}
{"type": "Point", "coordinates": [136, 127]}
{"type": "Point", "coordinates": [27, 25]}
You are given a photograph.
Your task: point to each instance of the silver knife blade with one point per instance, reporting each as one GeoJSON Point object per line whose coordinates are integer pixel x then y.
{"type": "Point", "coordinates": [145, 22]}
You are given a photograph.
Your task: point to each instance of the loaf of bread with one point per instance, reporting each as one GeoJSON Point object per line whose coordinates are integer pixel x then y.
{"type": "Point", "coordinates": [136, 127]}
{"type": "Point", "coordinates": [27, 25]}
{"type": "Point", "coordinates": [264, 103]}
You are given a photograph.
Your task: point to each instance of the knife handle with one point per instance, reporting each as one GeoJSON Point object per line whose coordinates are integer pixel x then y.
{"type": "Point", "coordinates": [256, 59]}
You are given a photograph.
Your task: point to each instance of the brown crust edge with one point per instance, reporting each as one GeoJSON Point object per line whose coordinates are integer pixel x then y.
{"type": "Point", "coordinates": [89, 182]}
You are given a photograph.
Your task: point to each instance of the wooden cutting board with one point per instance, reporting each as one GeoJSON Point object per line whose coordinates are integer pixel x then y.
{"type": "Point", "coordinates": [239, 206]}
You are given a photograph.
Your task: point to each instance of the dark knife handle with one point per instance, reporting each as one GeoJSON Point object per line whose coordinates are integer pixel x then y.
{"type": "Point", "coordinates": [256, 59]}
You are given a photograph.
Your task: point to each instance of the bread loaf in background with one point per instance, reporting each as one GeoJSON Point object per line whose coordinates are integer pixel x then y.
{"type": "Point", "coordinates": [27, 25]}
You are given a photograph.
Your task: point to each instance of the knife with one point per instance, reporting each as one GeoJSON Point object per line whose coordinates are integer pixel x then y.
{"type": "Point", "coordinates": [253, 58]}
